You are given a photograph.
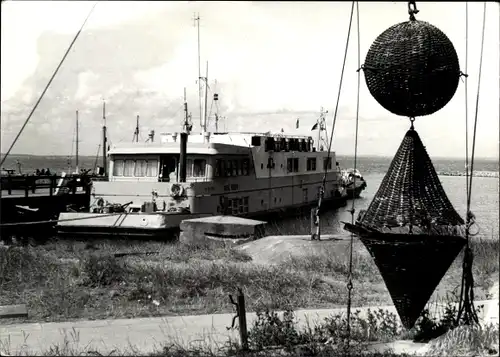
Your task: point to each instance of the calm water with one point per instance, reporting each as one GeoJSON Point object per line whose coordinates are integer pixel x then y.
{"type": "Point", "coordinates": [484, 204]}
{"type": "Point", "coordinates": [485, 191]}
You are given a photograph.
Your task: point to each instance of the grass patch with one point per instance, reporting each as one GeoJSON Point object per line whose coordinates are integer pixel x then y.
{"type": "Point", "coordinates": [65, 280]}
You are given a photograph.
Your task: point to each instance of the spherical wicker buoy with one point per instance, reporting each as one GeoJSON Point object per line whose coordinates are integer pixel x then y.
{"type": "Point", "coordinates": [412, 69]}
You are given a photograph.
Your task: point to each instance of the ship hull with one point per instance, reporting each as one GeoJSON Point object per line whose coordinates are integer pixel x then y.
{"type": "Point", "coordinates": [163, 226]}
{"type": "Point", "coordinates": [355, 192]}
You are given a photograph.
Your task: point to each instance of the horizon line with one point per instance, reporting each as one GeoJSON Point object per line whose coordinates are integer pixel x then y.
{"type": "Point", "coordinates": [491, 158]}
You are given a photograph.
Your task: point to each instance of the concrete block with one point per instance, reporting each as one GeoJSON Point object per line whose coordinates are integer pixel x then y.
{"type": "Point", "coordinates": [225, 230]}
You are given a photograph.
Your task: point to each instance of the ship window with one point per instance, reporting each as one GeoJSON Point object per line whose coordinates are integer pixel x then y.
{"type": "Point", "coordinates": [189, 168]}
{"type": "Point", "coordinates": [223, 168]}
{"type": "Point", "coordinates": [245, 166]}
{"type": "Point", "coordinates": [292, 164]}
{"type": "Point", "coordinates": [229, 168]}
{"type": "Point", "coordinates": [118, 168]}
{"type": "Point", "coordinates": [199, 167]}
{"type": "Point", "coordinates": [128, 171]}
{"type": "Point", "coordinates": [304, 145]}
{"type": "Point", "coordinates": [269, 144]}
{"type": "Point", "coordinates": [140, 168]}
{"type": "Point", "coordinates": [235, 168]}
{"type": "Point", "coordinates": [217, 170]}
{"type": "Point", "coordinates": [152, 168]}
{"type": "Point", "coordinates": [327, 163]}
{"type": "Point", "coordinates": [256, 140]}
{"type": "Point", "coordinates": [311, 164]}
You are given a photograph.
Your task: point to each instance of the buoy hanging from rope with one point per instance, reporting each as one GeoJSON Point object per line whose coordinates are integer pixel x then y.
{"type": "Point", "coordinates": [410, 228]}
{"type": "Point", "coordinates": [412, 68]}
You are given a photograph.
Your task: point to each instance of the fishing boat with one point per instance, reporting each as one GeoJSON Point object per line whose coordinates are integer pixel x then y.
{"type": "Point", "coordinates": [354, 182]}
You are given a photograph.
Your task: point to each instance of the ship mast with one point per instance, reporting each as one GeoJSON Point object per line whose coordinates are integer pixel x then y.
{"type": "Point", "coordinates": [104, 138]}
{"type": "Point", "coordinates": [76, 144]}
{"type": "Point", "coordinates": [186, 128]}
{"type": "Point", "coordinates": [197, 24]}
{"type": "Point", "coordinates": [205, 116]}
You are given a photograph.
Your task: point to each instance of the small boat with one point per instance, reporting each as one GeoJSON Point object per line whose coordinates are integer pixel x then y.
{"type": "Point", "coordinates": [354, 182]}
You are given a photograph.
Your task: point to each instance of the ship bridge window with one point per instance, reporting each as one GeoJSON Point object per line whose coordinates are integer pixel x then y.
{"type": "Point", "coordinates": [303, 143]}
{"type": "Point", "coordinates": [311, 164]}
{"type": "Point", "coordinates": [287, 145]}
{"type": "Point", "coordinates": [256, 140]}
{"type": "Point", "coordinates": [292, 164]}
{"type": "Point", "coordinates": [269, 144]}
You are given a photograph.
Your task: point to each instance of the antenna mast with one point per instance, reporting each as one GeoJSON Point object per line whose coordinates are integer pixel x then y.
{"type": "Point", "coordinates": [77, 140]}
{"type": "Point", "coordinates": [197, 24]}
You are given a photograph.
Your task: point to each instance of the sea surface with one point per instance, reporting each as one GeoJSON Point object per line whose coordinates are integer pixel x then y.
{"type": "Point", "coordinates": [484, 203]}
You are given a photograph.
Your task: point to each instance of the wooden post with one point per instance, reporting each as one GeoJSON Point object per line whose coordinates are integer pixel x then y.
{"type": "Point", "coordinates": [52, 185]}
{"type": "Point", "coordinates": [33, 185]}
{"type": "Point", "coordinates": [26, 186]}
{"type": "Point", "coordinates": [242, 320]}
{"type": "Point", "coordinates": [73, 184]}
{"type": "Point", "coordinates": [314, 225]}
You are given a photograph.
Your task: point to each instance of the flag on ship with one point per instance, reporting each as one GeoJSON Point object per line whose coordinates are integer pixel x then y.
{"type": "Point", "coordinates": [315, 126]}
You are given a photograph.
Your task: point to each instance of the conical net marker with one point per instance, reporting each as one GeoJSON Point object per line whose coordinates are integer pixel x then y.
{"type": "Point", "coordinates": [411, 229]}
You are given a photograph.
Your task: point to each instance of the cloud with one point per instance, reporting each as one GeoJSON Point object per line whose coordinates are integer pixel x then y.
{"type": "Point", "coordinates": [273, 62]}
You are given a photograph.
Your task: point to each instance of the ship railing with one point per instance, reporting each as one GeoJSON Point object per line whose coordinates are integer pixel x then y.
{"type": "Point", "coordinates": [44, 184]}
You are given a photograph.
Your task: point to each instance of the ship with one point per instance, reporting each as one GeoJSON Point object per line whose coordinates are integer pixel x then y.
{"type": "Point", "coordinates": [152, 186]}
{"type": "Point", "coordinates": [354, 182]}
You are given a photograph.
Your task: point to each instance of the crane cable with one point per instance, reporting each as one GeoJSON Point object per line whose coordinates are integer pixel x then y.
{"type": "Point", "coordinates": [48, 84]}
{"type": "Point", "coordinates": [466, 302]}
{"type": "Point", "coordinates": [326, 164]}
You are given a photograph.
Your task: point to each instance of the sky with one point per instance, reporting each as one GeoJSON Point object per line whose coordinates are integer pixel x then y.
{"type": "Point", "coordinates": [270, 63]}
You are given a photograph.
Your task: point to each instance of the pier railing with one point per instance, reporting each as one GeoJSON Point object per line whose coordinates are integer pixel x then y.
{"type": "Point", "coordinates": [45, 185]}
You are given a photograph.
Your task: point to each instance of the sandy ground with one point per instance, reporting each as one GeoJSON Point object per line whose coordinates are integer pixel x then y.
{"type": "Point", "coordinates": [276, 249]}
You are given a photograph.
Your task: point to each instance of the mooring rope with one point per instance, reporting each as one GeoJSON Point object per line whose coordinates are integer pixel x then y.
{"type": "Point", "coordinates": [353, 210]}
{"type": "Point", "coordinates": [466, 303]}
{"type": "Point", "coordinates": [47, 86]}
